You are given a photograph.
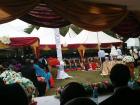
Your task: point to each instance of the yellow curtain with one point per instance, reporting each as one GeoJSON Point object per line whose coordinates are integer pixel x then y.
{"type": "Point", "coordinates": [89, 15]}
{"type": "Point", "coordinates": [12, 9]}
{"type": "Point", "coordinates": [3, 46]}
{"type": "Point", "coordinates": [81, 51]}
{"type": "Point", "coordinates": [36, 49]}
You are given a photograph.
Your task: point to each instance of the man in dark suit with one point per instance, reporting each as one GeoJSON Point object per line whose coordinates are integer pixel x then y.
{"type": "Point", "coordinates": [123, 95]}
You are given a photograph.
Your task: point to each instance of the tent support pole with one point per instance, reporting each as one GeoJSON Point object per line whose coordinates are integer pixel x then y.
{"type": "Point", "coordinates": [61, 73]}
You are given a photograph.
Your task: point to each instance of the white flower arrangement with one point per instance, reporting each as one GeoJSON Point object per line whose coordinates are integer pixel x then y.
{"type": "Point", "coordinates": [5, 40]}
{"type": "Point", "coordinates": [128, 59]}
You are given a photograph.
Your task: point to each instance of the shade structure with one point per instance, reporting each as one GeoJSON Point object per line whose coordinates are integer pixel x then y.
{"type": "Point", "coordinates": [12, 9]}
{"type": "Point", "coordinates": [47, 37]}
{"type": "Point", "coordinates": [9, 30]}
{"type": "Point", "coordinates": [17, 38]}
{"type": "Point", "coordinates": [69, 36]}
{"type": "Point", "coordinates": [91, 39]}
{"type": "Point", "coordinates": [133, 42]}
{"type": "Point", "coordinates": [89, 15]}
{"type": "Point", "coordinates": [130, 25]}
{"type": "Point", "coordinates": [43, 16]}
{"type": "Point", "coordinates": [94, 15]}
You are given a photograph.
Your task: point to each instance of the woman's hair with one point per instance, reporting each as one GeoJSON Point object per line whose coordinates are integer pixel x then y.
{"type": "Point", "coordinates": [120, 75]}
{"type": "Point", "coordinates": [72, 90]}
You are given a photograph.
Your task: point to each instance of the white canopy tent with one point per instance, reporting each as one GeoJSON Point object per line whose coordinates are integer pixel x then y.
{"type": "Point", "coordinates": [133, 42]}
{"type": "Point", "coordinates": [46, 36]}
{"type": "Point", "coordinates": [89, 37]}
{"type": "Point", "coordinates": [9, 31]}
{"type": "Point", "coordinates": [70, 34]}
{"type": "Point", "coordinates": [18, 24]}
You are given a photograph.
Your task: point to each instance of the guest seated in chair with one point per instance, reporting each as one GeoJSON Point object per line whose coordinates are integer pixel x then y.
{"type": "Point", "coordinates": [72, 90]}
{"type": "Point", "coordinates": [28, 71]}
{"type": "Point", "coordinates": [123, 94]}
{"type": "Point", "coordinates": [12, 94]}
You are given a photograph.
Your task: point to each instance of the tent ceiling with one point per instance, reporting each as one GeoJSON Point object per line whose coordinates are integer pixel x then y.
{"type": "Point", "coordinates": [42, 15]}
{"type": "Point", "coordinates": [94, 15]}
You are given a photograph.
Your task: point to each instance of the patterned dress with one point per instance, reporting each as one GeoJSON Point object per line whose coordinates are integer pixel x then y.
{"type": "Point", "coordinates": [10, 77]}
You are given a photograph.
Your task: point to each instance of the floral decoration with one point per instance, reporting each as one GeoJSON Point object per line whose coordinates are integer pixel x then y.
{"type": "Point", "coordinates": [128, 59]}
{"type": "Point", "coordinates": [5, 40]}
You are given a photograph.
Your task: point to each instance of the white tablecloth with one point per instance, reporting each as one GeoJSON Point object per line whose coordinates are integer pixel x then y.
{"type": "Point", "coordinates": [52, 100]}
{"type": "Point", "coordinates": [47, 100]}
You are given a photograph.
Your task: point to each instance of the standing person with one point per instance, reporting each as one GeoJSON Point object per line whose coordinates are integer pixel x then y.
{"type": "Point", "coordinates": [41, 72]}
{"type": "Point", "coordinates": [134, 54]}
{"type": "Point", "coordinates": [101, 55]}
{"type": "Point", "coordinates": [119, 51]}
{"type": "Point", "coordinates": [123, 94]}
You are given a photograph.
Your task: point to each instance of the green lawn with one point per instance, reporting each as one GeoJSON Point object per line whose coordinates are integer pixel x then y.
{"type": "Point", "coordinates": [78, 76]}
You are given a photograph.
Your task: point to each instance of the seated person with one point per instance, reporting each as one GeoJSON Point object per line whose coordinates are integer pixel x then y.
{"type": "Point", "coordinates": [28, 71]}
{"type": "Point", "coordinates": [72, 90]}
{"type": "Point", "coordinates": [13, 94]}
{"type": "Point", "coordinates": [123, 94]}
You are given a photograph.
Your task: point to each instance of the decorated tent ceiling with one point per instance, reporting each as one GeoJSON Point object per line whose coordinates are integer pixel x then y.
{"type": "Point", "coordinates": [130, 26]}
{"type": "Point", "coordinates": [43, 16]}
{"type": "Point", "coordinates": [94, 15]}
{"type": "Point", "coordinates": [12, 9]}
{"type": "Point", "coordinates": [89, 15]}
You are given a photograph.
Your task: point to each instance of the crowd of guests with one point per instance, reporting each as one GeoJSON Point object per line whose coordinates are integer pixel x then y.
{"type": "Point", "coordinates": [28, 78]}
{"type": "Point", "coordinates": [21, 80]}
{"type": "Point", "coordinates": [88, 63]}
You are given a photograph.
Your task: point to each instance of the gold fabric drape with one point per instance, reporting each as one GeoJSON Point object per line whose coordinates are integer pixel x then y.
{"type": "Point", "coordinates": [81, 51]}
{"type": "Point", "coordinates": [12, 9]}
{"type": "Point", "coordinates": [89, 15]}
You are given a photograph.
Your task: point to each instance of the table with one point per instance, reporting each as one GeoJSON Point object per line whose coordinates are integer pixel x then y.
{"type": "Point", "coordinates": [52, 100]}
{"type": "Point", "coordinates": [47, 100]}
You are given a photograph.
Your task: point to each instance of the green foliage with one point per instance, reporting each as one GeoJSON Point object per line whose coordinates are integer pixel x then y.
{"type": "Point", "coordinates": [76, 29]}
{"type": "Point", "coordinates": [64, 30]}
{"type": "Point", "coordinates": [30, 28]}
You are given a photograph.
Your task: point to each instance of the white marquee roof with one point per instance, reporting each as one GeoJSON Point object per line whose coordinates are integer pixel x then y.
{"type": "Point", "coordinates": [133, 42]}
{"type": "Point", "coordinates": [10, 31]}
{"type": "Point", "coordinates": [89, 37]}
{"type": "Point", "coordinates": [46, 36]}
{"type": "Point", "coordinates": [70, 34]}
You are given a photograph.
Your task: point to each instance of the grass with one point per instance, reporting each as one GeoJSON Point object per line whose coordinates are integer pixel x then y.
{"type": "Point", "coordinates": [81, 77]}
{"type": "Point", "coordinates": [78, 76]}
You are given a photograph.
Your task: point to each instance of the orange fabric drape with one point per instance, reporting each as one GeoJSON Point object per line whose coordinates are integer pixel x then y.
{"type": "Point", "coordinates": [12, 9]}
{"type": "Point", "coordinates": [89, 15]}
{"type": "Point", "coordinates": [81, 51]}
